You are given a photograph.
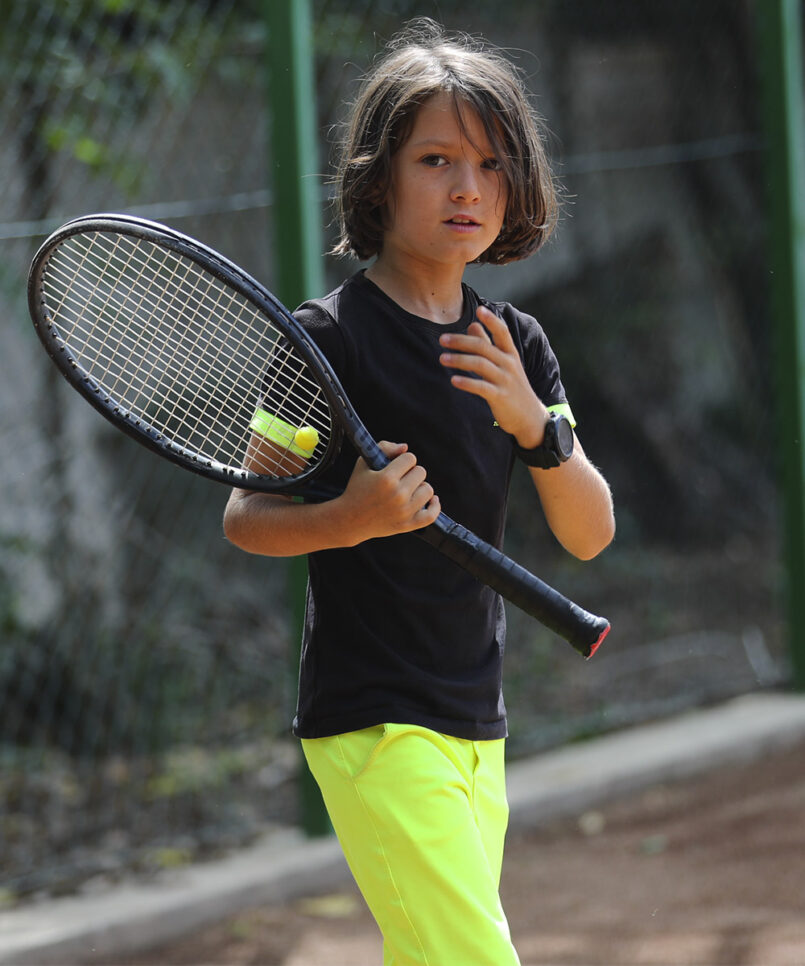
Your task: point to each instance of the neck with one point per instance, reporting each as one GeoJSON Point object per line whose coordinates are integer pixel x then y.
{"type": "Point", "coordinates": [430, 292]}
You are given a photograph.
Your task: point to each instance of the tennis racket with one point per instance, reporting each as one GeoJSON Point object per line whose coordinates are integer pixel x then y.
{"type": "Point", "coordinates": [189, 355]}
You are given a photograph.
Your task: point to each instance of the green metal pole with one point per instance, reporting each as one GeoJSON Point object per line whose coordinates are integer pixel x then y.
{"type": "Point", "coordinates": [297, 239]}
{"type": "Point", "coordinates": [780, 32]}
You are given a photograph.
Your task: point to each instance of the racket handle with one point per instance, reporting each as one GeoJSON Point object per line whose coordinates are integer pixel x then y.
{"type": "Point", "coordinates": [581, 629]}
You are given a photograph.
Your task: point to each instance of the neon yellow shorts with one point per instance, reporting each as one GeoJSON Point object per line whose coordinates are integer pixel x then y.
{"type": "Point", "coordinates": [421, 818]}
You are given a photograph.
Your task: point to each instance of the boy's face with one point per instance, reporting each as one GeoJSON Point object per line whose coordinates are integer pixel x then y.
{"type": "Point", "coordinates": [448, 191]}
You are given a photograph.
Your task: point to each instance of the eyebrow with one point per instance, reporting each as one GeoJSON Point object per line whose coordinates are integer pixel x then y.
{"type": "Point", "coordinates": [431, 143]}
{"type": "Point", "coordinates": [437, 143]}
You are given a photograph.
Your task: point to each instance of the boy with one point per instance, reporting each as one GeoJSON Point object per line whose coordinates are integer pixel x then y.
{"type": "Point", "coordinates": [400, 704]}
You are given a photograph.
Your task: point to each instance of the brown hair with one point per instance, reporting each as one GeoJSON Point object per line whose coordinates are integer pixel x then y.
{"type": "Point", "coordinates": [422, 61]}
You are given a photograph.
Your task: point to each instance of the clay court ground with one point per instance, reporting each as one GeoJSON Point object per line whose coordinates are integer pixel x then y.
{"type": "Point", "coordinates": [708, 871]}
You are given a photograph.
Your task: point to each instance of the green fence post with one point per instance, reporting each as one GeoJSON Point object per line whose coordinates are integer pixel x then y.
{"type": "Point", "coordinates": [780, 33]}
{"type": "Point", "coordinates": [294, 152]}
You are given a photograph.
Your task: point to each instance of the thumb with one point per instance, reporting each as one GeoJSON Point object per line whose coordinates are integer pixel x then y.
{"type": "Point", "coordinates": [392, 450]}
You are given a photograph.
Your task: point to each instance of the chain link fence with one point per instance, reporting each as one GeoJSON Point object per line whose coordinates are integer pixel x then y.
{"type": "Point", "coordinates": [146, 678]}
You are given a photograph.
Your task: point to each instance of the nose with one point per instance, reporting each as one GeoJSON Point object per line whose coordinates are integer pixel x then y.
{"type": "Point", "coordinates": [465, 186]}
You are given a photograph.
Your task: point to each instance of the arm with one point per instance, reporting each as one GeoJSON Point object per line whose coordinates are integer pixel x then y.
{"type": "Point", "coordinates": [577, 503]}
{"type": "Point", "coordinates": [575, 497]}
{"type": "Point", "coordinates": [376, 503]}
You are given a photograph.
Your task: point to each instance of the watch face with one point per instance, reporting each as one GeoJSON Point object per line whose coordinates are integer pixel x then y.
{"type": "Point", "coordinates": [564, 438]}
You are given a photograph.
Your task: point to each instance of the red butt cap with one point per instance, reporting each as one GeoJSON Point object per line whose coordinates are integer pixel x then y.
{"type": "Point", "coordinates": [599, 642]}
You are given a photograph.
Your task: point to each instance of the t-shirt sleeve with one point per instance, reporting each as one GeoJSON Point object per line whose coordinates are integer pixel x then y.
{"type": "Point", "coordinates": [315, 319]}
{"type": "Point", "coordinates": [539, 359]}
{"type": "Point", "coordinates": [280, 410]}
{"type": "Point", "coordinates": [319, 319]}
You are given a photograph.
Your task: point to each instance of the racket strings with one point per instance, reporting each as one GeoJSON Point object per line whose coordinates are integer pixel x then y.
{"type": "Point", "coordinates": [147, 340]}
{"type": "Point", "coordinates": [165, 307]}
{"type": "Point", "coordinates": [157, 350]}
{"type": "Point", "coordinates": [179, 349]}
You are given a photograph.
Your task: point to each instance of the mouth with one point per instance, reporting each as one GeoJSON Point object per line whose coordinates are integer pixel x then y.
{"type": "Point", "coordinates": [462, 225]}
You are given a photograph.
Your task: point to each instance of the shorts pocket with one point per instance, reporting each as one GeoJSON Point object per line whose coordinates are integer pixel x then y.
{"type": "Point", "coordinates": [357, 750]}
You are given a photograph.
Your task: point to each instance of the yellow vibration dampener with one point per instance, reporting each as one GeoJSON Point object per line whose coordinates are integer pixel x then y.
{"type": "Point", "coordinates": [298, 440]}
{"type": "Point", "coordinates": [306, 438]}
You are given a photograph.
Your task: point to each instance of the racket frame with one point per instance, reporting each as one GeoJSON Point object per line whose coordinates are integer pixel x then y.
{"type": "Point", "coordinates": [138, 427]}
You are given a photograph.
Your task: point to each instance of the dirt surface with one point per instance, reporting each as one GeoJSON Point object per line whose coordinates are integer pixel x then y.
{"type": "Point", "coordinates": [702, 872]}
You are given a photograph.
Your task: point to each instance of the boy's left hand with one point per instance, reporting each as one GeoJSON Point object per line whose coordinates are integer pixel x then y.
{"type": "Point", "coordinates": [488, 351]}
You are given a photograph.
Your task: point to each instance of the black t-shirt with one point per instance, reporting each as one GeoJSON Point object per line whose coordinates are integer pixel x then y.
{"type": "Point", "coordinates": [394, 631]}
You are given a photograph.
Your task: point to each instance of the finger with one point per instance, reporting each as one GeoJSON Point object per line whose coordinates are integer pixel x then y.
{"type": "Point", "coordinates": [463, 349]}
{"type": "Point", "coordinates": [420, 499]}
{"type": "Point", "coordinates": [402, 474]}
{"type": "Point", "coordinates": [427, 514]}
{"type": "Point", "coordinates": [392, 450]}
{"type": "Point", "coordinates": [496, 328]}
{"type": "Point", "coordinates": [479, 331]}
{"type": "Point", "coordinates": [419, 491]}
{"type": "Point", "coordinates": [477, 341]}
{"type": "Point", "coordinates": [475, 386]}
{"type": "Point", "coordinates": [480, 365]}
{"type": "Point", "coordinates": [410, 478]}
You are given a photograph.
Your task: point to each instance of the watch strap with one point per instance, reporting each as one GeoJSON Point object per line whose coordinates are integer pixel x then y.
{"type": "Point", "coordinates": [540, 456]}
{"type": "Point", "coordinates": [549, 453]}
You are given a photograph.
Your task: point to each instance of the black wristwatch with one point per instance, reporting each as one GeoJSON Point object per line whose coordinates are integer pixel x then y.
{"type": "Point", "coordinates": [556, 448]}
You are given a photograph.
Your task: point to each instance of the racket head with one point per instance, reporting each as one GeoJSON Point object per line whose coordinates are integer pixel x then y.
{"type": "Point", "coordinates": [185, 352]}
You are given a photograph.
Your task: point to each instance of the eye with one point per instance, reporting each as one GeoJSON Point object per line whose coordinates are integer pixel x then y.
{"type": "Point", "coordinates": [433, 160]}
{"type": "Point", "coordinates": [492, 164]}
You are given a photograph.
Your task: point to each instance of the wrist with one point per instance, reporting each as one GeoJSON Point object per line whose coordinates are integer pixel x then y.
{"type": "Point", "coordinates": [533, 420]}
{"type": "Point", "coordinates": [533, 433]}
{"type": "Point", "coordinates": [346, 526]}
{"type": "Point", "coordinates": [554, 448]}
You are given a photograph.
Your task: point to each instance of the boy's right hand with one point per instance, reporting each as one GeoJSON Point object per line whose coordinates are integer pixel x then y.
{"type": "Point", "coordinates": [396, 499]}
